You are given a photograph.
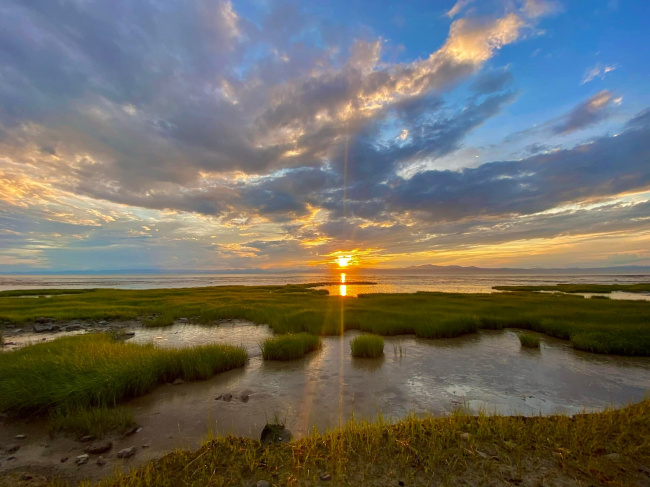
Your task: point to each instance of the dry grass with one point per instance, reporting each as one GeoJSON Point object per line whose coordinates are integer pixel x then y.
{"type": "Point", "coordinates": [610, 448]}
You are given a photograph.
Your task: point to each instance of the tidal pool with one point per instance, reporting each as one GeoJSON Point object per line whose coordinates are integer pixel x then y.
{"type": "Point", "coordinates": [487, 371]}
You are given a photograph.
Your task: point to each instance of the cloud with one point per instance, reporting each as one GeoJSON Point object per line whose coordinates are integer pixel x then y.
{"type": "Point", "coordinates": [593, 110]}
{"type": "Point", "coordinates": [541, 8]}
{"type": "Point", "coordinates": [598, 71]}
{"type": "Point", "coordinates": [458, 7]}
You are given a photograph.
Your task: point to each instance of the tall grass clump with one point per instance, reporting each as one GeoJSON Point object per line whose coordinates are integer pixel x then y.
{"type": "Point", "coordinates": [289, 347]}
{"type": "Point", "coordinates": [529, 341]}
{"type": "Point", "coordinates": [367, 346]}
{"type": "Point", "coordinates": [95, 370]}
{"type": "Point", "coordinates": [447, 328]}
{"type": "Point", "coordinates": [96, 421]}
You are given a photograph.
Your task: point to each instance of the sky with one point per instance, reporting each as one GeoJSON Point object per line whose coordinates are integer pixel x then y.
{"type": "Point", "coordinates": [216, 134]}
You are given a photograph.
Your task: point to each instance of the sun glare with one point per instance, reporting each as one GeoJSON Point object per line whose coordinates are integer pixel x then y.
{"type": "Point", "coordinates": [344, 260]}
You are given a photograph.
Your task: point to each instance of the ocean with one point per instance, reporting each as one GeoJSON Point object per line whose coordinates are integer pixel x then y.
{"type": "Point", "coordinates": [385, 283]}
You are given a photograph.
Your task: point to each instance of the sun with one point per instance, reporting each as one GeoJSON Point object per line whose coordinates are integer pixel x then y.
{"type": "Point", "coordinates": [344, 260]}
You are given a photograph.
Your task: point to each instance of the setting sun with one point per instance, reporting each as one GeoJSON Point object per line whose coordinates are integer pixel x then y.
{"type": "Point", "coordinates": [344, 260]}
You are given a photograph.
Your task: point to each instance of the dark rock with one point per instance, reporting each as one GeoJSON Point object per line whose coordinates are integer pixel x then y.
{"type": "Point", "coordinates": [227, 397]}
{"type": "Point", "coordinates": [146, 445]}
{"type": "Point", "coordinates": [326, 477]}
{"type": "Point", "coordinates": [73, 328]}
{"type": "Point", "coordinates": [11, 458]}
{"type": "Point", "coordinates": [126, 453]}
{"type": "Point", "coordinates": [178, 382]}
{"type": "Point", "coordinates": [42, 321]}
{"type": "Point", "coordinates": [244, 397]}
{"type": "Point", "coordinates": [87, 439]}
{"type": "Point", "coordinates": [219, 397]}
{"type": "Point", "coordinates": [99, 448]}
{"type": "Point", "coordinates": [42, 328]}
{"type": "Point", "coordinates": [275, 433]}
{"type": "Point", "coordinates": [101, 461]}
{"type": "Point", "coordinates": [131, 431]}
{"type": "Point", "coordinates": [182, 320]}
{"type": "Point", "coordinates": [26, 477]}
{"type": "Point", "coordinates": [64, 459]}
{"type": "Point", "coordinates": [82, 459]}
{"type": "Point", "coordinates": [13, 448]}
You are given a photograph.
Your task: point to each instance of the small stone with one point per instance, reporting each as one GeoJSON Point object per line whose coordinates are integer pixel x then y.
{"type": "Point", "coordinates": [262, 483]}
{"type": "Point", "coordinates": [146, 445]}
{"type": "Point", "coordinates": [64, 459]}
{"type": "Point", "coordinates": [11, 458]}
{"type": "Point", "coordinates": [82, 459]}
{"type": "Point", "coordinates": [227, 397]}
{"type": "Point", "coordinates": [464, 436]}
{"type": "Point", "coordinates": [482, 454]}
{"type": "Point", "coordinates": [99, 448]}
{"type": "Point", "coordinates": [101, 461]}
{"type": "Point", "coordinates": [126, 453]}
{"type": "Point", "coordinates": [400, 483]}
{"type": "Point", "coordinates": [131, 431]}
{"type": "Point", "coordinates": [26, 477]}
{"type": "Point", "coordinates": [103, 322]}
{"type": "Point", "coordinates": [87, 439]}
{"type": "Point", "coordinates": [613, 456]}
{"type": "Point", "coordinates": [244, 397]}
{"type": "Point", "coordinates": [219, 397]}
{"type": "Point", "coordinates": [13, 448]}
{"type": "Point", "coordinates": [182, 320]}
{"type": "Point", "coordinates": [326, 477]}
{"type": "Point", "coordinates": [42, 328]}
{"type": "Point", "coordinates": [178, 382]}
{"type": "Point", "coordinates": [20, 437]}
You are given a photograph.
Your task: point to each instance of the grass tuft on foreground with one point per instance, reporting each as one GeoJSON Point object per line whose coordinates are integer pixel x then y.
{"type": "Point", "coordinates": [594, 325]}
{"type": "Point", "coordinates": [587, 449]}
{"type": "Point", "coordinates": [367, 346]}
{"type": "Point", "coordinates": [289, 347]}
{"type": "Point", "coordinates": [96, 370]}
{"type": "Point", "coordinates": [529, 341]}
{"type": "Point", "coordinates": [95, 421]}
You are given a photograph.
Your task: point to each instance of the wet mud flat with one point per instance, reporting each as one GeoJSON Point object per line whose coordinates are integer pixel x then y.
{"type": "Point", "coordinates": [488, 371]}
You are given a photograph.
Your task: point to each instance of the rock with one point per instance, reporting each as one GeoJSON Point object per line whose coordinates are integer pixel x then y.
{"type": "Point", "coordinates": [178, 382]}
{"type": "Point", "coordinates": [613, 456]}
{"type": "Point", "coordinates": [244, 397]}
{"type": "Point", "coordinates": [42, 328]}
{"type": "Point", "coordinates": [126, 453]}
{"type": "Point", "coordinates": [482, 454]}
{"type": "Point", "coordinates": [64, 459]}
{"type": "Point", "coordinates": [128, 334]}
{"type": "Point", "coordinates": [275, 433]}
{"type": "Point", "coordinates": [146, 445]}
{"type": "Point", "coordinates": [262, 483]}
{"type": "Point", "coordinates": [99, 448]}
{"type": "Point", "coordinates": [13, 448]}
{"type": "Point", "coordinates": [182, 320]}
{"type": "Point", "coordinates": [227, 397]}
{"type": "Point", "coordinates": [26, 477]}
{"type": "Point", "coordinates": [42, 321]}
{"type": "Point", "coordinates": [464, 436]}
{"type": "Point", "coordinates": [219, 397]}
{"type": "Point", "coordinates": [326, 477]}
{"type": "Point", "coordinates": [101, 461]}
{"type": "Point", "coordinates": [11, 458]}
{"type": "Point", "coordinates": [87, 439]}
{"type": "Point", "coordinates": [131, 431]}
{"type": "Point", "coordinates": [82, 459]}
{"type": "Point", "coordinates": [20, 437]}
{"type": "Point", "coordinates": [73, 328]}
{"type": "Point", "coordinates": [103, 322]}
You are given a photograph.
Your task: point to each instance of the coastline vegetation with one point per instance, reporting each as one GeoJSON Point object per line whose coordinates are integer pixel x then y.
{"type": "Point", "coordinates": [289, 347]}
{"type": "Point", "coordinates": [528, 340]}
{"type": "Point", "coordinates": [93, 421]}
{"type": "Point", "coordinates": [600, 326]}
{"type": "Point", "coordinates": [71, 373]}
{"type": "Point", "coordinates": [581, 288]}
{"type": "Point", "coordinates": [609, 447]}
{"type": "Point", "coordinates": [367, 346]}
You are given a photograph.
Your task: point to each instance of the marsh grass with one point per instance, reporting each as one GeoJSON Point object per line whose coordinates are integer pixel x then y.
{"type": "Point", "coordinates": [367, 346]}
{"type": "Point", "coordinates": [600, 325]}
{"type": "Point", "coordinates": [425, 451]}
{"type": "Point", "coordinates": [289, 347]}
{"type": "Point", "coordinates": [95, 370]}
{"type": "Point", "coordinates": [529, 341]}
{"type": "Point", "coordinates": [96, 421]}
{"type": "Point", "coordinates": [581, 288]}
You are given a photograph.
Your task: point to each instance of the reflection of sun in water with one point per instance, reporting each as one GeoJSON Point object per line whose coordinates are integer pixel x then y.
{"type": "Point", "coordinates": [344, 260]}
{"type": "Point", "coordinates": [343, 289]}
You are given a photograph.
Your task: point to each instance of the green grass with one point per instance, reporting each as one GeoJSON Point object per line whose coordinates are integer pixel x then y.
{"type": "Point", "coordinates": [289, 347]}
{"type": "Point", "coordinates": [367, 346]}
{"type": "Point", "coordinates": [529, 341]}
{"type": "Point", "coordinates": [581, 288]}
{"type": "Point", "coordinates": [95, 370]}
{"type": "Point", "coordinates": [600, 325]}
{"type": "Point", "coordinates": [95, 421]}
{"type": "Point", "coordinates": [459, 449]}
{"type": "Point", "coordinates": [43, 292]}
